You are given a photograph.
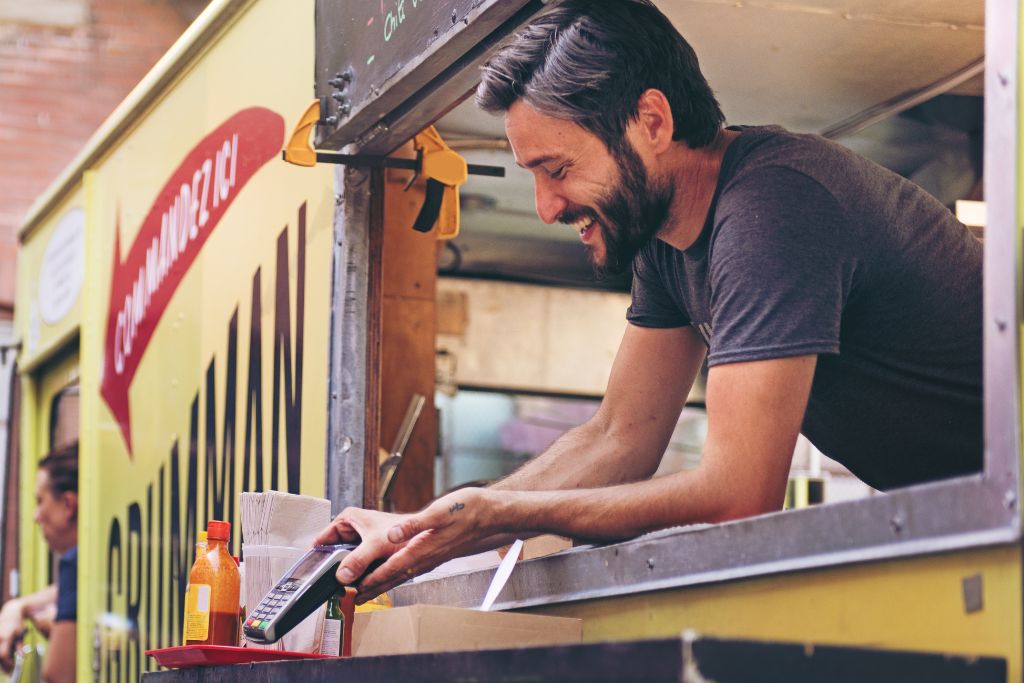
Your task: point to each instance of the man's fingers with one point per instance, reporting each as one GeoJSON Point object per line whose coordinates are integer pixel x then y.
{"type": "Point", "coordinates": [422, 556]}
{"type": "Point", "coordinates": [339, 531]}
{"type": "Point", "coordinates": [325, 537]}
{"type": "Point", "coordinates": [431, 518]}
{"type": "Point", "coordinates": [356, 562]}
{"type": "Point", "coordinates": [404, 531]}
{"type": "Point", "coordinates": [399, 568]}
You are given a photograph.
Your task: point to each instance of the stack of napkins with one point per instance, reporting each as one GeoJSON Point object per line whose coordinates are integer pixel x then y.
{"type": "Point", "coordinates": [277, 529]}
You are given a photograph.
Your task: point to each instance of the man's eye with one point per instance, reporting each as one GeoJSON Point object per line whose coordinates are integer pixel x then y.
{"type": "Point", "coordinates": [558, 173]}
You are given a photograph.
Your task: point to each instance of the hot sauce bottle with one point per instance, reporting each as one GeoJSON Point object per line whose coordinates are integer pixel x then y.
{"type": "Point", "coordinates": [211, 605]}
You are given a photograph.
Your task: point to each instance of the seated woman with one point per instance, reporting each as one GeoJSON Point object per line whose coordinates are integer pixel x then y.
{"type": "Point", "coordinates": [52, 610]}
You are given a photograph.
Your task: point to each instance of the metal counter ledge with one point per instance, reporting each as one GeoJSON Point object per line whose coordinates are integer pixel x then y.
{"type": "Point", "coordinates": [688, 659]}
{"type": "Point", "coordinates": [900, 524]}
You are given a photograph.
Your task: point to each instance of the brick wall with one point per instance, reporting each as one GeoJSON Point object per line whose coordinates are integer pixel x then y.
{"type": "Point", "coordinates": [61, 74]}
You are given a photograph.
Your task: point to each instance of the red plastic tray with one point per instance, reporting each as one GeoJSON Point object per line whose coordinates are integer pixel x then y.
{"type": "Point", "coordinates": [188, 656]}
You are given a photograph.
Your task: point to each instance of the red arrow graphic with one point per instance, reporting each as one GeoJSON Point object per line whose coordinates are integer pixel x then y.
{"type": "Point", "coordinates": [185, 212]}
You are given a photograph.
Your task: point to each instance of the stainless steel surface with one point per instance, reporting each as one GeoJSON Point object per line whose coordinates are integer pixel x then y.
{"type": "Point", "coordinates": [903, 523]}
{"type": "Point", "coordinates": [1002, 251]}
{"type": "Point", "coordinates": [424, 87]}
{"type": "Point", "coordinates": [346, 423]}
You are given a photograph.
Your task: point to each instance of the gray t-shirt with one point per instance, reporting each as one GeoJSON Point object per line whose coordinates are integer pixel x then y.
{"type": "Point", "coordinates": [811, 249]}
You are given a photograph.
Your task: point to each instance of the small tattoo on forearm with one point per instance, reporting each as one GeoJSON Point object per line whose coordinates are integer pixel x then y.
{"type": "Point", "coordinates": [455, 508]}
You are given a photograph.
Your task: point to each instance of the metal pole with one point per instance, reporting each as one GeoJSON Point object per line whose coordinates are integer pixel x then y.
{"type": "Point", "coordinates": [347, 395]}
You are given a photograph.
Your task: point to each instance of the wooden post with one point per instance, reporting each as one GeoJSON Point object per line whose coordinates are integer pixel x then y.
{"type": "Point", "coordinates": [407, 334]}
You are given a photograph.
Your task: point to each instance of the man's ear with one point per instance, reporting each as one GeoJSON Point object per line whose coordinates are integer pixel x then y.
{"type": "Point", "coordinates": [655, 125]}
{"type": "Point", "coordinates": [71, 502]}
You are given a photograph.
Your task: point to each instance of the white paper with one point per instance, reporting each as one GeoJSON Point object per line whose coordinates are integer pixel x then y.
{"type": "Point", "coordinates": [501, 575]}
{"type": "Point", "coordinates": [277, 529]}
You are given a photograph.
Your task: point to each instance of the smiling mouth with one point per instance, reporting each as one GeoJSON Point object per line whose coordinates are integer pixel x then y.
{"type": "Point", "coordinates": [585, 226]}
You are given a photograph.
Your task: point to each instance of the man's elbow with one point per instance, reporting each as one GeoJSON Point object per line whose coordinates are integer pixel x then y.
{"type": "Point", "coordinates": [742, 511]}
{"type": "Point", "coordinates": [732, 507]}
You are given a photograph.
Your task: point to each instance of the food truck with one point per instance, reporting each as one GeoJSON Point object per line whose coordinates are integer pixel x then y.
{"type": "Point", "coordinates": [204, 319]}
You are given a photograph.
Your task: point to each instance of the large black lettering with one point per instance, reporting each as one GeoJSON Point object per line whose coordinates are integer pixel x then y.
{"type": "Point", "coordinates": [219, 489]}
{"type": "Point", "coordinates": [254, 396]}
{"type": "Point", "coordinates": [150, 548]}
{"type": "Point", "coordinates": [133, 590]}
{"type": "Point", "coordinates": [283, 356]}
{"type": "Point", "coordinates": [148, 576]}
{"type": "Point", "coordinates": [163, 630]}
{"type": "Point", "coordinates": [111, 653]}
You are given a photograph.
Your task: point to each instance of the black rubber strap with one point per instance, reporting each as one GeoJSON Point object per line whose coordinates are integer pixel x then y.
{"type": "Point", "coordinates": [431, 206]}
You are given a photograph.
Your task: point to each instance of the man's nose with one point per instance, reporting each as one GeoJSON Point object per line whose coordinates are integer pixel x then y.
{"type": "Point", "coordinates": [550, 204]}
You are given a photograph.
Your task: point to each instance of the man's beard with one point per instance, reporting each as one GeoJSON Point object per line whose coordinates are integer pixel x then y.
{"type": "Point", "coordinates": [632, 212]}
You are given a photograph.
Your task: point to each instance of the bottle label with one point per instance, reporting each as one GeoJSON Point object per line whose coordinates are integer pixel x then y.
{"type": "Point", "coordinates": [197, 612]}
{"type": "Point", "coordinates": [330, 644]}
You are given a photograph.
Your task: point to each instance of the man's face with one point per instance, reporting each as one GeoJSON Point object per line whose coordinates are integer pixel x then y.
{"type": "Point", "coordinates": [55, 515]}
{"type": "Point", "coordinates": [608, 197]}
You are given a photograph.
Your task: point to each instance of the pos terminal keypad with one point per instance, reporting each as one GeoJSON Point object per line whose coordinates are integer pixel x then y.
{"type": "Point", "coordinates": [304, 587]}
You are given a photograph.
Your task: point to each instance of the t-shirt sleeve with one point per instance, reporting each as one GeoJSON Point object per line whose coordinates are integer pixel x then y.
{"type": "Point", "coordinates": [781, 268]}
{"type": "Point", "coordinates": [67, 586]}
{"type": "Point", "coordinates": [651, 305]}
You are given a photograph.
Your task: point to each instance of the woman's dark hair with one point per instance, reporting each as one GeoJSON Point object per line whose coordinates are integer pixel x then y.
{"type": "Point", "coordinates": [589, 61]}
{"type": "Point", "coordinates": [61, 467]}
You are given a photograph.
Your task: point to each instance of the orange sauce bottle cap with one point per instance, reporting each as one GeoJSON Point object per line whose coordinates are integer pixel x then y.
{"type": "Point", "coordinates": [218, 531]}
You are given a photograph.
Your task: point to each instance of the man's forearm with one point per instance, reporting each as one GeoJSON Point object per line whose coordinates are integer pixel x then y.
{"type": "Point", "coordinates": [587, 456]}
{"type": "Point", "coordinates": [624, 511]}
{"type": "Point", "coordinates": [556, 468]}
{"type": "Point", "coordinates": [625, 440]}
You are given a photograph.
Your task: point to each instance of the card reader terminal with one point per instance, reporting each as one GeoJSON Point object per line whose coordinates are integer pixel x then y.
{"type": "Point", "coordinates": [304, 587]}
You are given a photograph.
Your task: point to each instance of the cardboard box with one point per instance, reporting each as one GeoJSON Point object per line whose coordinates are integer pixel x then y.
{"type": "Point", "coordinates": [539, 546]}
{"type": "Point", "coordinates": [432, 628]}
{"type": "Point", "coordinates": [544, 545]}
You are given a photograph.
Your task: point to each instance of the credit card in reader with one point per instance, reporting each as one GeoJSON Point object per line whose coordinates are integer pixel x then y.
{"type": "Point", "coordinates": [304, 587]}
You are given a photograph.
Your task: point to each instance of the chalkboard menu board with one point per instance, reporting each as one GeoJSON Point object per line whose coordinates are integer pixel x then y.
{"type": "Point", "coordinates": [374, 55]}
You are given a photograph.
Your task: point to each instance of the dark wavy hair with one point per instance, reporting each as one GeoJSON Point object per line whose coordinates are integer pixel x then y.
{"type": "Point", "coordinates": [61, 467]}
{"type": "Point", "coordinates": [589, 61]}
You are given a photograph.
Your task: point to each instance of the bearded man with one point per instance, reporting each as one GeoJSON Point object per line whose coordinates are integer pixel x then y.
{"type": "Point", "coordinates": [829, 296]}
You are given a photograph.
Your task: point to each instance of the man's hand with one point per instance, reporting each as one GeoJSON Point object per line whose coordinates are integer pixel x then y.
{"type": "Point", "coordinates": [460, 523]}
{"type": "Point", "coordinates": [12, 627]}
{"type": "Point", "coordinates": [368, 528]}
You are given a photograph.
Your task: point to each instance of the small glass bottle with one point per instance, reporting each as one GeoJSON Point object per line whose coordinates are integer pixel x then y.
{"type": "Point", "coordinates": [334, 627]}
{"type": "Point", "coordinates": [212, 601]}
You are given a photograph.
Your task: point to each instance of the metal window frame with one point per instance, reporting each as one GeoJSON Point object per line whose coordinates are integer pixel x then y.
{"type": "Point", "coordinates": [973, 511]}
